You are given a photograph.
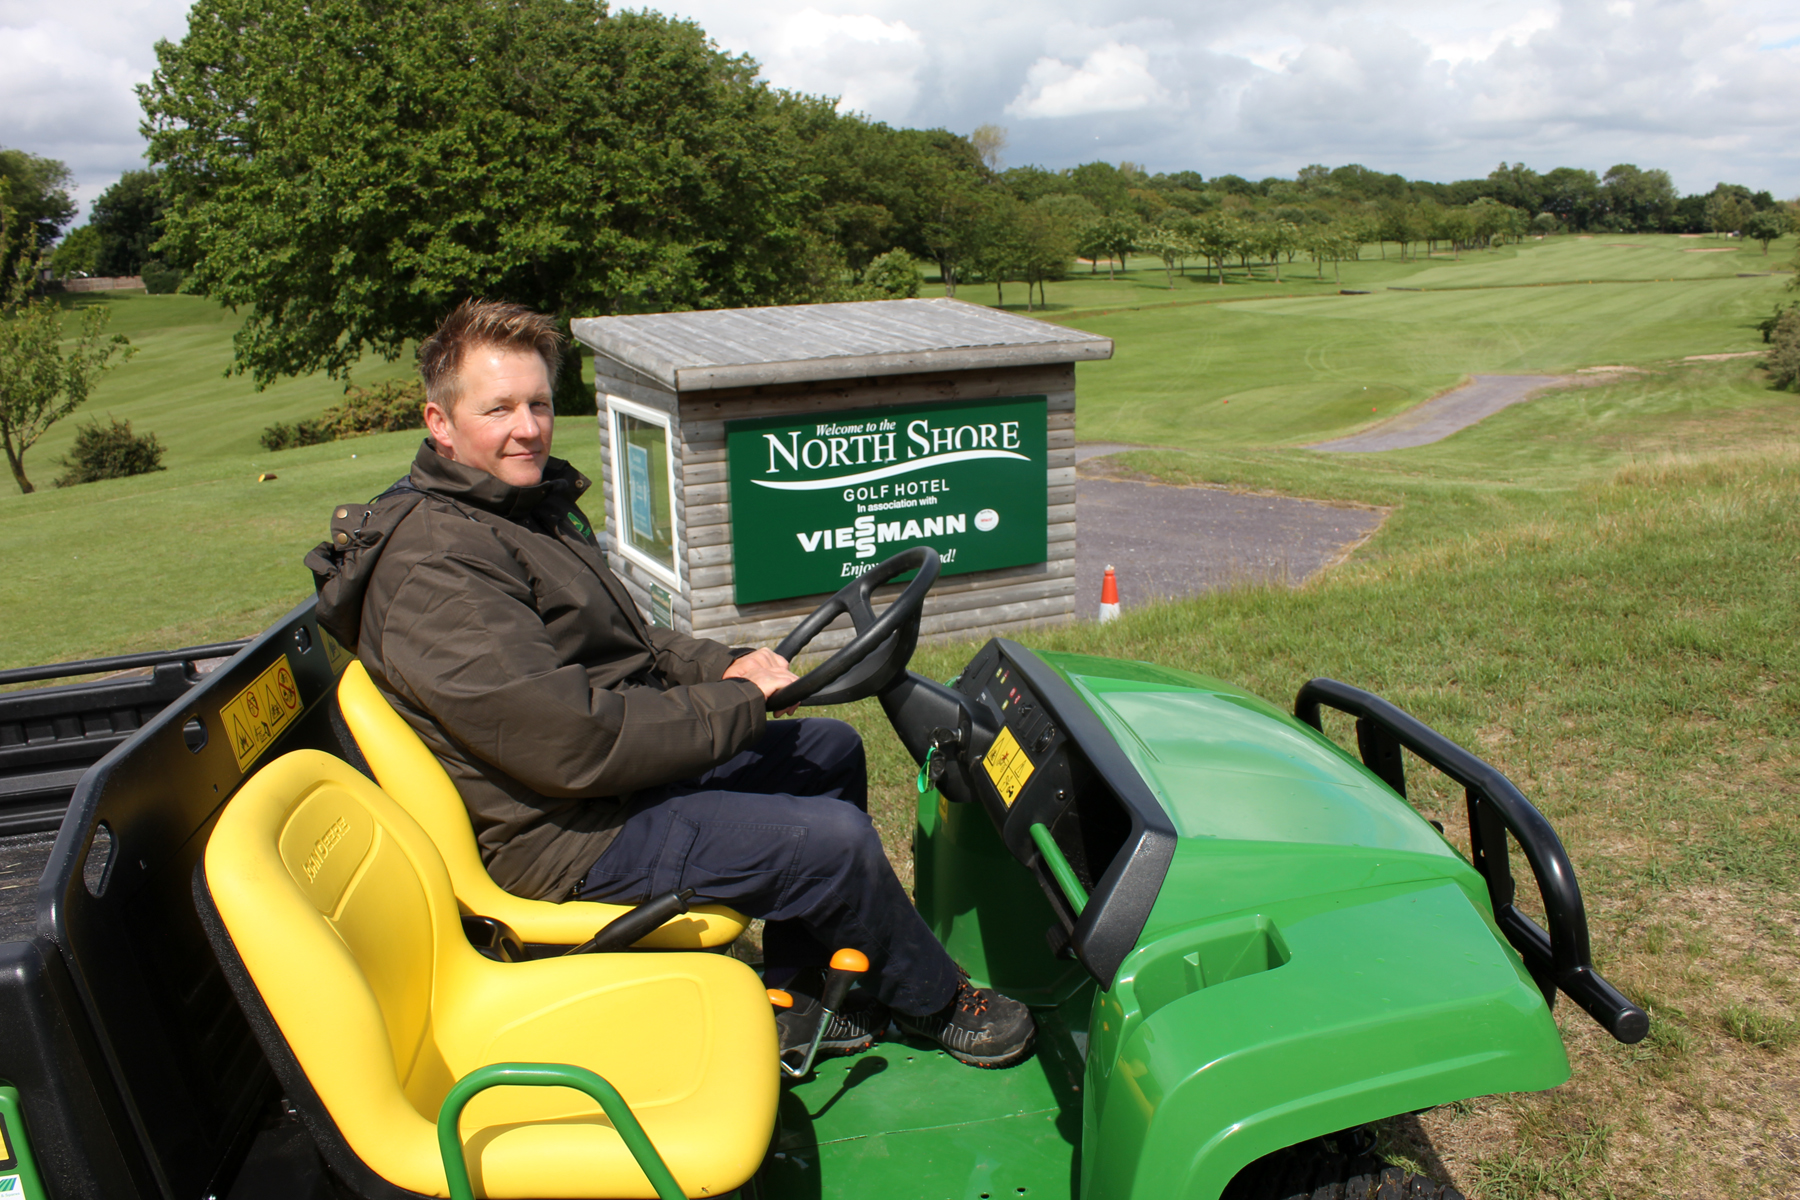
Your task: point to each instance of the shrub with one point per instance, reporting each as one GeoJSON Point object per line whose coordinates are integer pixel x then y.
{"type": "Point", "coordinates": [109, 451]}
{"type": "Point", "coordinates": [385, 408]}
{"type": "Point", "coordinates": [1766, 326]}
{"type": "Point", "coordinates": [1784, 351]}
{"type": "Point", "coordinates": [160, 280]}
{"type": "Point", "coordinates": [894, 275]}
{"type": "Point", "coordinates": [282, 436]}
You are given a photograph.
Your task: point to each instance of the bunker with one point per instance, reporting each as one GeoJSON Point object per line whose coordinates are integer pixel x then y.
{"type": "Point", "coordinates": [756, 459]}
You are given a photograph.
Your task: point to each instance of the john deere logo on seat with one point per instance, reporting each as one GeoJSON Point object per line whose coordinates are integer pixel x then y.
{"type": "Point", "coordinates": [315, 862]}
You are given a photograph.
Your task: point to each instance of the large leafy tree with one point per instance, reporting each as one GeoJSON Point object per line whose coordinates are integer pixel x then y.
{"type": "Point", "coordinates": [127, 218]}
{"type": "Point", "coordinates": [1642, 201]}
{"type": "Point", "coordinates": [35, 191]}
{"type": "Point", "coordinates": [347, 169]}
{"type": "Point", "coordinates": [880, 187]}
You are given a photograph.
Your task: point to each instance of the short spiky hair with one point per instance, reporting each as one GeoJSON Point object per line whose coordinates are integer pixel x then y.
{"type": "Point", "coordinates": [477, 323]}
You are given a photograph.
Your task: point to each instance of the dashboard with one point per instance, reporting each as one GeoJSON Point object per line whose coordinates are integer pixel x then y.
{"type": "Point", "coordinates": [1067, 802]}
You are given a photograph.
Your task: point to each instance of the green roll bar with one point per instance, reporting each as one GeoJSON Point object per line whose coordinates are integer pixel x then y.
{"type": "Point", "coordinates": [456, 1171]}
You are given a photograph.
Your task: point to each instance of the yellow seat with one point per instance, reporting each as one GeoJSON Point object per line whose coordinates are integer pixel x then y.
{"type": "Point", "coordinates": [409, 772]}
{"type": "Point", "coordinates": [334, 918]}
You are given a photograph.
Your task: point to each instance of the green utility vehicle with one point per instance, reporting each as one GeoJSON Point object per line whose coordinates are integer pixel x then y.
{"type": "Point", "coordinates": [1241, 944]}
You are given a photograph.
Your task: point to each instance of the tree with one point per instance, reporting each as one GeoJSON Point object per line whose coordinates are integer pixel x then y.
{"type": "Point", "coordinates": [1047, 245]}
{"type": "Point", "coordinates": [1518, 186]}
{"type": "Point", "coordinates": [876, 187]}
{"type": "Point", "coordinates": [77, 255]}
{"type": "Point", "coordinates": [1278, 238]}
{"type": "Point", "coordinates": [1168, 244]}
{"type": "Point", "coordinates": [989, 142]}
{"type": "Point", "coordinates": [1336, 241]}
{"type": "Point", "coordinates": [128, 219]}
{"type": "Point", "coordinates": [1640, 201]}
{"type": "Point", "coordinates": [1102, 185]}
{"type": "Point", "coordinates": [1115, 237]}
{"type": "Point", "coordinates": [36, 192]}
{"type": "Point", "coordinates": [1727, 208]}
{"type": "Point", "coordinates": [40, 382]}
{"type": "Point", "coordinates": [952, 230]}
{"type": "Point", "coordinates": [1766, 226]}
{"type": "Point", "coordinates": [1216, 237]}
{"type": "Point", "coordinates": [346, 170]}
{"type": "Point", "coordinates": [1398, 222]}
{"type": "Point", "coordinates": [1573, 195]}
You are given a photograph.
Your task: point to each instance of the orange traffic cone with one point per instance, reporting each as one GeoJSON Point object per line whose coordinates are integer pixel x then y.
{"type": "Point", "coordinates": [1109, 596]}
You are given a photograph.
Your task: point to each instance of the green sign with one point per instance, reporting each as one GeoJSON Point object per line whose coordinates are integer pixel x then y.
{"type": "Point", "coordinates": [817, 501]}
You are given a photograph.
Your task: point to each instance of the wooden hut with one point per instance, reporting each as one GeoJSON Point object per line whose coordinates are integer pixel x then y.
{"type": "Point", "coordinates": [854, 431]}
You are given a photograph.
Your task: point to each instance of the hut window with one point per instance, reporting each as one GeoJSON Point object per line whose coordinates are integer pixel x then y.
{"type": "Point", "coordinates": [643, 487]}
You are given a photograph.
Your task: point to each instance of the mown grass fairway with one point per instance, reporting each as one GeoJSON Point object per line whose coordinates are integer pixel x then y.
{"type": "Point", "coordinates": [1598, 591]}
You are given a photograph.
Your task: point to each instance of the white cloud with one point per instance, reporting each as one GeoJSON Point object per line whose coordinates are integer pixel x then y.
{"type": "Point", "coordinates": [67, 90]}
{"type": "Point", "coordinates": [1481, 45]}
{"type": "Point", "coordinates": [870, 64]}
{"type": "Point", "coordinates": [1114, 78]}
{"type": "Point", "coordinates": [1437, 89]}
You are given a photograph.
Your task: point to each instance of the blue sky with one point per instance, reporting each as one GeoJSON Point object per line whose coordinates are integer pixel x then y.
{"type": "Point", "coordinates": [1435, 89]}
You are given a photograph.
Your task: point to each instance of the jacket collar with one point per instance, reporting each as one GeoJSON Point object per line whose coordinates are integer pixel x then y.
{"type": "Point", "coordinates": [434, 473]}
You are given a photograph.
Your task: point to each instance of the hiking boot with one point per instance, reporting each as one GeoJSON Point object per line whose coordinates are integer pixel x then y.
{"type": "Point", "coordinates": [854, 1028]}
{"type": "Point", "coordinates": [979, 1026]}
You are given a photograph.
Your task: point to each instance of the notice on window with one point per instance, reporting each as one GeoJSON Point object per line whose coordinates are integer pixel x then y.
{"type": "Point", "coordinates": [637, 473]}
{"type": "Point", "coordinates": [818, 501]}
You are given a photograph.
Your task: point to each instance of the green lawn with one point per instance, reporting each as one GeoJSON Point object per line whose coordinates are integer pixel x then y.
{"type": "Point", "coordinates": [1144, 283]}
{"type": "Point", "coordinates": [176, 385]}
{"type": "Point", "coordinates": [203, 551]}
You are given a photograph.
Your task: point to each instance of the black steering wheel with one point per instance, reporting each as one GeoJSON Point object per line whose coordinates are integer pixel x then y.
{"type": "Point", "coordinates": [882, 646]}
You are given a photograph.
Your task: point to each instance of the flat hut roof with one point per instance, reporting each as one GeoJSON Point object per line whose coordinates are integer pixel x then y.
{"type": "Point", "coordinates": [748, 347]}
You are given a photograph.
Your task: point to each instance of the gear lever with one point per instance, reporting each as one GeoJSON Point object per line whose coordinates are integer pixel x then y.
{"type": "Point", "coordinates": [846, 965]}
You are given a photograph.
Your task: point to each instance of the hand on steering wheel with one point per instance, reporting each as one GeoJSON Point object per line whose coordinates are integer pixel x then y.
{"type": "Point", "coordinates": [882, 646]}
{"type": "Point", "coordinates": [766, 669]}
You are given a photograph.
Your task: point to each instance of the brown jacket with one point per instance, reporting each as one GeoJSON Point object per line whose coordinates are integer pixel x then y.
{"type": "Point", "coordinates": [486, 615]}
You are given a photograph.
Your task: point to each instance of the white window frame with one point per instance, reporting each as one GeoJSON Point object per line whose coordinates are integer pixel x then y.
{"type": "Point", "coordinates": [618, 405]}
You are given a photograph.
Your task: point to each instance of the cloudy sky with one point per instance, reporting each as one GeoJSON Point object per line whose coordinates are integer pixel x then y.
{"type": "Point", "coordinates": [1435, 89]}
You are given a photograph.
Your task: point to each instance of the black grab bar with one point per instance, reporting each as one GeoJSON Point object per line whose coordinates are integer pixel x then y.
{"type": "Point", "coordinates": [1560, 958]}
{"type": "Point", "coordinates": [120, 662]}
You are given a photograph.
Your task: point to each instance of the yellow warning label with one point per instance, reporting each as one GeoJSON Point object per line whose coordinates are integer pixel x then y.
{"type": "Point", "coordinates": [6, 1151]}
{"type": "Point", "coordinates": [335, 654]}
{"type": "Point", "coordinates": [255, 717]}
{"type": "Point", "coordinates": [1008, 766]}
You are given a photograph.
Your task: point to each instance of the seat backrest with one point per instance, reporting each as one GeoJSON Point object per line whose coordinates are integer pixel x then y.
{"type": "Point", "coordinates": [413, 776]}
{"type": "Point", "coordinates": [342, 914]}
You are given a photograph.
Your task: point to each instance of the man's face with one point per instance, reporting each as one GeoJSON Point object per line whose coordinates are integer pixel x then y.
{"type": "Point", "coordinates": [502, 421]}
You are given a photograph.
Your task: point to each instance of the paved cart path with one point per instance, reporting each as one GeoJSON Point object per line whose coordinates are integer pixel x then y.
{"type": "Point", "coordinates": [1438, 418]}
{"type": "Point", "coordinates": [1180, 541]}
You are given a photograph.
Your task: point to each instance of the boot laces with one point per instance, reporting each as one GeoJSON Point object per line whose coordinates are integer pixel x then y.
{"type": "Point", "coordinates": [969, 998]}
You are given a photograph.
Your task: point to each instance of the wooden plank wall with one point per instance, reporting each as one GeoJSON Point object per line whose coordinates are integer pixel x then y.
{"type": "Point", "coordinates": [987, 602]}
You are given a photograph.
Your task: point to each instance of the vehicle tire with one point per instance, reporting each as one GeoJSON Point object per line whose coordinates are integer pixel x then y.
{"type": "Point", "coordinates": [1340, 1167]}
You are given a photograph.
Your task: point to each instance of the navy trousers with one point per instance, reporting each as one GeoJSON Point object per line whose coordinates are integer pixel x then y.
{"type": "Point", "coordinates": [782, 832]}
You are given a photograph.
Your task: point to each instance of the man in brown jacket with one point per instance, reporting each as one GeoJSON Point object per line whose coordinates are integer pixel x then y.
{"type": "Point", "coordinates": [600, 757]}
